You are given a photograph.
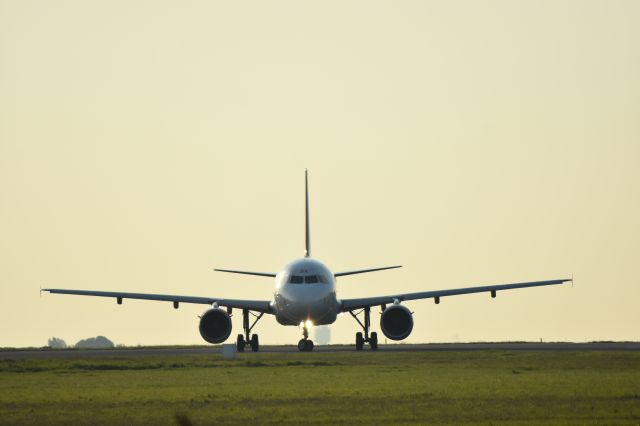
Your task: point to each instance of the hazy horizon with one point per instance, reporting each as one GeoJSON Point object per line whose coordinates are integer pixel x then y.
{"type": "Point", "coordinates": [142, 144]}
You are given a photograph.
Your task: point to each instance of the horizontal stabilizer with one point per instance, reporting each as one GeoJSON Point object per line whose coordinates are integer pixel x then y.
{"type": "Point", "coordinates": [260, 274]}
{"type": "Point", "coordinates": [362, 271]}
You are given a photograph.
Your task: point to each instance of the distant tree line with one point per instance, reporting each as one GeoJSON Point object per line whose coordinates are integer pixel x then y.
{"type": "Point", "coordinates": [98, 342]}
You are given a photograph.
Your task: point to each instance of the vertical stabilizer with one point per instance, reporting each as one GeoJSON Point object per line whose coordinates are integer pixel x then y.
{"type": "Point", "coordinates": [307, 240]}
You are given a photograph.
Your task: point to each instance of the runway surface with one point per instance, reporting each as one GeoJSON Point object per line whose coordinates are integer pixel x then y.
{"type": "Point", "coordinates": [180, 351]}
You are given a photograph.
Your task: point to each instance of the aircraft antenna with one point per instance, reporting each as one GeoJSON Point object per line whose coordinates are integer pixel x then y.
{"type": "Point", "coordinates": [307, 246]}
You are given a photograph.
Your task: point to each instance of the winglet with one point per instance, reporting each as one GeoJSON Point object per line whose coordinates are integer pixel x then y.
{"type": "Point", "coordinates": [307, 241]}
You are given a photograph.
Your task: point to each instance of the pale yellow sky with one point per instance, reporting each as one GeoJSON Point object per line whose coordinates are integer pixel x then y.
{"type": "Point", "coordinates": [474, 142]}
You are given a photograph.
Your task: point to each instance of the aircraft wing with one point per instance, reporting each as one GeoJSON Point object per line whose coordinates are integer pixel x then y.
{"type": "Point", "coordinates": [351, 304]}
{"type": "Point", "coordinates": [252, 305]}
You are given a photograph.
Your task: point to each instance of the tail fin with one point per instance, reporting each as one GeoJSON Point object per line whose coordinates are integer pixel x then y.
{"type": "Point", "coordinates": [307, 246]}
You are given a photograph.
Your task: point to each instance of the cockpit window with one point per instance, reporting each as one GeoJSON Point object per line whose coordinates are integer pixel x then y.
{"type": "Point", "coordinates": [311, 279]}
{"type": "Point", "coordinates": [308, 279]}
{"type": "Point", "coordinates": [296, 279]}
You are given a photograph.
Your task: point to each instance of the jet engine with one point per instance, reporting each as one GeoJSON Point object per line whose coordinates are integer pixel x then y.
{"type": "Point", "coordinates": [215, 325]}
{"type": "Point", "coordinates": [396, 322]}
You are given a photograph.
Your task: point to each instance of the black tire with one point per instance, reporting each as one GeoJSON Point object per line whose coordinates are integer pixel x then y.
{"type": "Point", "coordinates": [240, 343]}
{"type": "Point", "coordinates": [302, 345]}
{"type": "Point", "coordinates": [359, 341]}
{"type": "Point", "coordinates": [255, 343]}
{"type": "Point", "coordinates": [308, 345]}
{"type": "Point", "coordinates": [373, 341]}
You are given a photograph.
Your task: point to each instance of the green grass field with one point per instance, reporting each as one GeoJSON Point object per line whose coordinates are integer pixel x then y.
{"type": "Point", "coordinates": [488, 387]}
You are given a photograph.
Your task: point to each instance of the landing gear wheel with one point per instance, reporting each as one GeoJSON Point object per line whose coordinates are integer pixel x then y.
{"type": "Point", "coordinates": [308, 345]}
{"type": "Point", "coordinates": [302, 345]}
{"type": "Point", "coordinates": [305, 345]}
{"type": "Point", "coordinates": [240, 343]}
{"type": "Point", "coordinates": [366, 338]}
{"type": "Point", "coordinates": [247, 338]}
{"type": "Point", "coordinates": [359, 341]}
{"type": "Point", "coordinates": [373, 341]}
{"type": "Point", "coordinates": [255, 343]}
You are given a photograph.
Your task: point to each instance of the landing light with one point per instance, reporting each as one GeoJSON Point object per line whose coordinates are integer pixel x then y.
{"type": "Point", "coordinates": [309, 324]}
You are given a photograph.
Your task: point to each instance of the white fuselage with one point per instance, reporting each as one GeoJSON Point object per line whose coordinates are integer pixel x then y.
{"type": "Point", "coordinates": [305, 290]}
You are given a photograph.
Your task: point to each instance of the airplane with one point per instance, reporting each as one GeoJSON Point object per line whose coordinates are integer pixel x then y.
{"type": "Point", "coordinates": [305, 295]}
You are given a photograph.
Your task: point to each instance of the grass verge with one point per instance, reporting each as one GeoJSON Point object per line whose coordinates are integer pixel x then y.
{"type": "Point", "coordinates": [336, 387]}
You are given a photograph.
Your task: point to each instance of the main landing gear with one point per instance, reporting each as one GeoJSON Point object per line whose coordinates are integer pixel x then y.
{"type": "Point", "coordinates": [305, 345]}
{"type": "Point", "coordinates": [247, 339]}
{"type": "Point", "coordinates": [360, 339]}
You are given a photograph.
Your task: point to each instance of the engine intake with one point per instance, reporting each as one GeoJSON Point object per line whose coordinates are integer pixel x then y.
{"type": "Point", "coordinates": [215, 325]}
{"type": "Point", "coordinates": [396, 322]}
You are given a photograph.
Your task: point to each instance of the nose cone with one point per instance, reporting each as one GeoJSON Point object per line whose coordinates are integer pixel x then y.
{"type": "Point", "coordinates": [308, 293]}
{"type": "Point", "coordinates": [309, 301]}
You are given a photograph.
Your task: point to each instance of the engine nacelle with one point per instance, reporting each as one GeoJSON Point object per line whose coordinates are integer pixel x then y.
{"type": "Point", "coordinates": [215, 325]}
{"type": "Point", "coordinates": [396, 322]}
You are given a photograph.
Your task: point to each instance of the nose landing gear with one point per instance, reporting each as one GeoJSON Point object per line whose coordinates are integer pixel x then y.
{"type": "Point", "coordinates": [360, 339]}
{"type": "Point", "coordinates": [305, 345]}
